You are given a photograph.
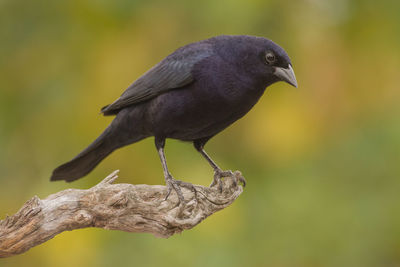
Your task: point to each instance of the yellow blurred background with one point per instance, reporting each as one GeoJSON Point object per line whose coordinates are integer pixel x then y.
{"type": "Point", "coordinates": [321, 161]}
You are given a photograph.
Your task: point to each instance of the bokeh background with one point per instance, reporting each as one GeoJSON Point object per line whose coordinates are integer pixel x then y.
{"type": "Point", "coordinates": [322, 161]}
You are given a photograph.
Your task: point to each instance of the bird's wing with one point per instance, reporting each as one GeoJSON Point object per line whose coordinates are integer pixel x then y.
{"type": "Point", "coordinates": [173, 72]}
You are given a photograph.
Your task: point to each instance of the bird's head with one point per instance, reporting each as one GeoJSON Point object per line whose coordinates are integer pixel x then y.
{"type": "Point", "coordinates": [278, 63]}
{"type": "Point", "coordinates": [263, 59]}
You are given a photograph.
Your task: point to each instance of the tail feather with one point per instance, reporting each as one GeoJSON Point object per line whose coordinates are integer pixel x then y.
{"type": "Point", "coordinates": [85, 161]}
{"type": "Point", "coordinates": [118, 134]}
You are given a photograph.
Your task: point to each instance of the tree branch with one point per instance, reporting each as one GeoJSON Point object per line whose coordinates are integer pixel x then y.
{"type": "Point", "coordinates": [125, 207]}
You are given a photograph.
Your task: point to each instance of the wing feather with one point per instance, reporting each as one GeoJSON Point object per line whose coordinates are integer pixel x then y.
{"type": "Point", "coordinates": [173, 72]}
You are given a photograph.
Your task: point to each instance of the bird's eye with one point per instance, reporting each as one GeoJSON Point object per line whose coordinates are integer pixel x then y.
{"type": "Point", "coordinates": [270, 57]}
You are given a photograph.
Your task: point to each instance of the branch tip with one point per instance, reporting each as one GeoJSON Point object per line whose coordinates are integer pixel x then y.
{"type": "Point", "coordinates": [110, 178]}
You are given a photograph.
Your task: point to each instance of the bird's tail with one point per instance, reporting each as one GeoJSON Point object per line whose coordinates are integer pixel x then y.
{"type": "Point", "coordinates": [90, 157]}
{"type": "Point", "coordinates": [85, 161]}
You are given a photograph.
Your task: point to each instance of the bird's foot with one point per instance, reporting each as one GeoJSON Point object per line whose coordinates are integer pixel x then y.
{"type": "Point", "coordinates": [176, 185]}
{"type": "Point", "coordinates": [219, 174]}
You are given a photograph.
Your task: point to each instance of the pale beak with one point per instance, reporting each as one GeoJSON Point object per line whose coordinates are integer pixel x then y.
{"type": "Point", "coordinates": [286, 75]}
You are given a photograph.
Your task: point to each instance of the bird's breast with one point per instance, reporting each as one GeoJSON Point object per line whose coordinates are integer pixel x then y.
{"type": "Point", "coordinates": [196, 112]}
{"type": "Point", "coordinates": [207, 106]}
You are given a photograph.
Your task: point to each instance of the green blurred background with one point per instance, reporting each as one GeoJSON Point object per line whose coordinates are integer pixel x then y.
{"type": "Point", "coordinates": [321, 161]}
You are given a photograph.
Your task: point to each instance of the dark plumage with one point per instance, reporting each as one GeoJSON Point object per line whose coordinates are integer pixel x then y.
{"type": "Point", "coordinates": [191, 95]}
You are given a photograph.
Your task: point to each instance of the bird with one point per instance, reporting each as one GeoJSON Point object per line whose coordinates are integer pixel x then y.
{"type": "Point", "coordinates": [191, 95]}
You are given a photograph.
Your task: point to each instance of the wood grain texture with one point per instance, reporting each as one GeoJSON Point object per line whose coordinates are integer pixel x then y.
{"type": "Point", "coordinates": [125, 207]}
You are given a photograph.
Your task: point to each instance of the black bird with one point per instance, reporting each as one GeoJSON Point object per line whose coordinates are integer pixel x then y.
{"type": "Point", "coordinates": [191, 95]}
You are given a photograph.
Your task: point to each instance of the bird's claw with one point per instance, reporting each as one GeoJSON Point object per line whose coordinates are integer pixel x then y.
{"type": "Point", "coordinates": [176, 185]}
{"type": "Point", "coordinates": [241, 179]}
{"type": "Point", "coordinates": [219, 174]}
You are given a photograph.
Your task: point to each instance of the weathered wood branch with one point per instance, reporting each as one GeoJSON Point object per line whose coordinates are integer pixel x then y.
{"type": "Point", "coordinates": [125, 207]}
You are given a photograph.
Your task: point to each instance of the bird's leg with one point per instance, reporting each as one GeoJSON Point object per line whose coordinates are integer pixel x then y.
{"type": "Point", "coordinates": [218, 172]}
{"type": "Point", "coordinates": [169, 180]}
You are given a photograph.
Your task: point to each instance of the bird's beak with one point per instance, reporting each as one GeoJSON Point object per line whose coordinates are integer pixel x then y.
{"type": "Point", "coordinates": [286, 75]}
